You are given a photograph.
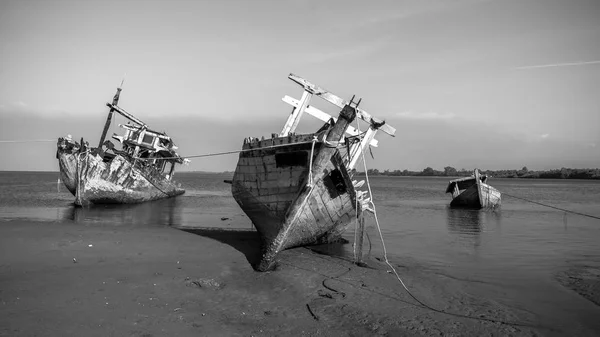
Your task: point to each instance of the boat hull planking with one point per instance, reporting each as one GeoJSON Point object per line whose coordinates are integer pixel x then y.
{"type": "Point", "coordinates": [117, 181]}
{"type": "Point", "coordinates": [470, 198]}
{"type": "Point", "coordinates": [271, 185]}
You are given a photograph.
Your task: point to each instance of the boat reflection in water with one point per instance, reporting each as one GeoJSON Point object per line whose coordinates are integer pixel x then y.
{"type": "Point", "coordinates": [164, 212]}
{"type": "Point", "coordinates": [469, 224]}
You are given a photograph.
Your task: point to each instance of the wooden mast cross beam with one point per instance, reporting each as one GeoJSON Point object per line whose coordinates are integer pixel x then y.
{"type": "Point", "coordinates": [323, 116]}
{"type": "Point", "coordinates": [339, 102]}
{"type": "Point", "coordinates": [127, 115]}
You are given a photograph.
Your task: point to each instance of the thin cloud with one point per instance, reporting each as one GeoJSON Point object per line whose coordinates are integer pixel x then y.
{"type": "Point", "coordinates": [544, 136]}
{"type": "Point", "coordinates": [17, 106]}
{"type": "Point", "coordinates": [553, 65]}
{"type": "Point", "coordinates": [403, 12]}
{"type": "Point", "coordinates": [425, 115]}
{"type": "Point", "coordinates": [359, 50]}
{"type": "Point", "coordinates": [24, 108]}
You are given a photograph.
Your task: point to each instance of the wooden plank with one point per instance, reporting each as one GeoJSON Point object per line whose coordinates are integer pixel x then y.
{"type": "Point", "coordinates": [115, 101]}
{"type": "Point", "coordinates": [335, 100]}
{"type": "Point", "coordinates": [126, 114]}
{"type": "Point", "coordinates": [323, 208]}
{"type": "Point", "coordinates": [317, 216]}
{"type": "Point", "coordinates": [294, 118]}
{"type": "Point", "coordinates": [356, 149]}
{"type": "Point", "coordinates": [325, 117]}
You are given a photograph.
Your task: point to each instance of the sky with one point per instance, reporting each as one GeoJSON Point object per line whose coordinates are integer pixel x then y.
{"type": "Point", "coordinates": [466, 83]}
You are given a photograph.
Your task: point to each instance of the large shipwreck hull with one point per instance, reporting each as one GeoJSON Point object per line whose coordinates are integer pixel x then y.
{"type": "Point", "coordinates": [297, 189]}
{"type": "Point", "coordinates": [272, 186]}
{"type": "Point", "coordinates": [138, 172]}
{"type": "Point", "coordinates": [120, 180]}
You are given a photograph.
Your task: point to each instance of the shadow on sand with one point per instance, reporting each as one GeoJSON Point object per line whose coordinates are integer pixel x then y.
{"type": "Point", "coordinates": [247, 241]}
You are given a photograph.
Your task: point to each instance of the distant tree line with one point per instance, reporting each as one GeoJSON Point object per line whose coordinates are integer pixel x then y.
{"type": "Point", "coordinates": [449, 171]}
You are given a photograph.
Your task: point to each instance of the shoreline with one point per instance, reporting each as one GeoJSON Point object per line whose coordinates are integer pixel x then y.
{"type": "Point", "coordinates": [69, 279]}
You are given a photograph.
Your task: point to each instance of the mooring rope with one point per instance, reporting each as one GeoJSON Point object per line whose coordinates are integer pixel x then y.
{"type": "Point", "coordinates": [396, 273]}
{"type": "Point", "coordinates": [362, 287]}
{"type": "Point", "coordinates": [356, 202]}
{"type": "Point", "coordinates": [148, 178]}
{"type": "Point", "coordinates": [312, 151]}
{"type": "Point", "coordinates": [404, 285]}
{"type": "Point", "coordinates": [28, 141]}
{"type": "Point", "coordinates": [328, 144]}
{"type": "Point", "coordinates": [550, 206]}
{"type": "Point", "coordinates": [25, 185]}
{"type": "Point", "coordinates": [355, 228]}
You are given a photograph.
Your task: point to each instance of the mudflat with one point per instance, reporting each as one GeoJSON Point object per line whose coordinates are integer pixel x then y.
{"type": "Point", "coordinates": [69, 279]}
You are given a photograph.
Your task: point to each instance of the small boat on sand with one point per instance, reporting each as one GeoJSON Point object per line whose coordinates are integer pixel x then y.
{"type": "Point", "coordinates": [141, 171]}
{"type": "Point", "coordinates": [297, 189]}
{"type": "Point", "coordinates": [473, 192]}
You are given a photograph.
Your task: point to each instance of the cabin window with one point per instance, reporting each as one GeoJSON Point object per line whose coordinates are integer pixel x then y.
{"type": "Point", "coordinates": [335, 183]}
{"type": "Point", "coordinates": [164, 142]}
{"type": "Point", "coordinates": [298, 158]}
{"type": "Point", "coordinates": [133, 136]}
{"type": "Point", "coordinates": [148, 139]}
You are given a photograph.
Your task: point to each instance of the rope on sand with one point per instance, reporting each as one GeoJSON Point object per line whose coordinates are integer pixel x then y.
{"type": "Point", "coordinates": [311, 312]}
{"type": "Point", "coordinates": [398, 276]}
{"type": "Point", "coordinates": [364, 287]}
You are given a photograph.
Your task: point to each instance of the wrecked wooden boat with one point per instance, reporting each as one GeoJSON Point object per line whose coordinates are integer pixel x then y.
{"type": "Point", "coordinates": [141, 171]}
{"type": "Point", "coordinates": [297, 189]}
{"type": "Point", "coordinates": [473, 192]}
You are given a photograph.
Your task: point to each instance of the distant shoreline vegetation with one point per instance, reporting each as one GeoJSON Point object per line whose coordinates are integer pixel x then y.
{"type": "Point", "coordinates": [449, 171]}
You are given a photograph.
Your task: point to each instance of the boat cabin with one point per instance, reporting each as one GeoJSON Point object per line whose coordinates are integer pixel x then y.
{"type": "Point", "coordinates": [151, 146]}
{"type": "Point", "coordinates": [148, 148]}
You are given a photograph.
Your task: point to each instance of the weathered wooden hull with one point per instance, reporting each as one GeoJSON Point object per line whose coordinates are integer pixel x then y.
{"type": "Point", "coordinates": [92, 180]}
{"type": "Point", "coordinates": [273, 187]}
{"type": "Point", "coordinates": [67, 163]}
{"type": "Point", "coordinates": [478, 196]}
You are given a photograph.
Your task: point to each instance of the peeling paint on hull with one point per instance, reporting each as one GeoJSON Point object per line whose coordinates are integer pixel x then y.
{"type": "Point", "coordinates": [285, 210]}
{"type": "Point", "coordinates": [67, 164]}
{"type": "Point", "coordinates": [93, 181]}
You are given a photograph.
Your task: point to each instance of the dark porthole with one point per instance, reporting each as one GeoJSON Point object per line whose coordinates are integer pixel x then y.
{"type": "Point", "coordinates": [298, 158]}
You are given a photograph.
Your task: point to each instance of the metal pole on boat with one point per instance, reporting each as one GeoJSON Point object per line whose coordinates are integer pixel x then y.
{"type": "Point", "coordinates": [110, 114]}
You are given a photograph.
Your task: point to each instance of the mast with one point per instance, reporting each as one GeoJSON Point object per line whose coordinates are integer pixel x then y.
{"type": "Point", "coordinates": [110, 114]}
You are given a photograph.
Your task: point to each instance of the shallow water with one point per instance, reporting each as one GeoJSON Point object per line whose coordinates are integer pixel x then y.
{"type": "Point", "coordinates": [518, 249]}
{"type": "Point", "coordinates": [413, 214]}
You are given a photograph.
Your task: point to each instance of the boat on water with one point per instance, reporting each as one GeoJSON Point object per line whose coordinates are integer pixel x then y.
{"type": "Point", "coordinates": [141, 171]}
{"type": "Point", "coordinates": [473, 192]}
{"type": "Point", "coordinates": [297, 189]}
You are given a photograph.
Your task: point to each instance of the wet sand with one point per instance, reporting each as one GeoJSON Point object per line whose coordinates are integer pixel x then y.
{"type": "Point", "coordinates": [68, 279]}
{"type": "Point", "coordinates": [583, 279]}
